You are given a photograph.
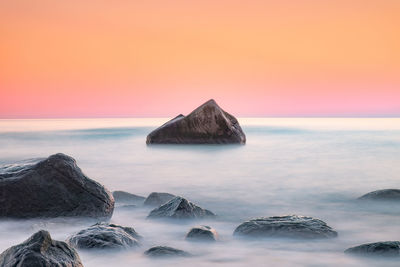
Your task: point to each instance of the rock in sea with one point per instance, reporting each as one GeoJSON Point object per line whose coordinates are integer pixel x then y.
{"type": "Point", "coordinates": [202, 233]}
{"type": "Point", "coordinates": [51, 187]}
{"type": "Point", "coordinates": [291, 226]}
{"type": "Point", "coordinates": [382, 195]}
{"type": "Point", "coordinates": [105, 236]}
{"type": "Point", "coordinates": [163, 251]}
{"type": "Point", "coordinates": [208, 124]}
{"type": "Point", "coordinates": [180, 208]}
{"type": "Point", "coordinates": [386, 249]}
{"type": "Point", "coordinates": [40, 250]}
{"type": "Point", "coordinates": [156, 199]}
{"type": "Point", "coordinates": [127, 198]}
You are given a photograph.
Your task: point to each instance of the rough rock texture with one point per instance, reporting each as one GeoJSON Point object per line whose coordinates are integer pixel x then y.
{"type": "Point", "coordinates": [105, 236]}
{"type": "Point", "coordinates": [162, 251]}
{"type": "Point", "coordinates": [208, 124]}
{"type": "Point", "coordinates": [127, 198]}
{"type": "Point", "coordinates": [387, 249]}
{"type": "Point", "coordinates": [202, 233]}
{"type": "Point", "coordinates": [40, 251]}
{"type": "Point", "coordinates": [291, 226]}
{"type": "Point", "coordinates": [51, 187]}
{"type": "Point", "coordinates": [180, 208]}
{"type": "Point", "coordinates": [382, 195]}
{"type": "Point", "coordinates": [156, 199]}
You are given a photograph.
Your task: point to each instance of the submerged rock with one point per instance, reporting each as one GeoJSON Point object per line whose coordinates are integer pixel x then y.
{"type": "Point", "coordinates": [40, 250]}
{"type": "Point", "coordinates": [163, 251]}
{"type": "Point", "coordinates": [202, 233]}
{"type": "Point", "coordinates": [156, 199]}
{"type": "Point", "coordinates": [127, 198]}
{"type": "Point", "coordinates": [291, 226]}
{"type": "Point", "coordinates": [207, 124]}
{"type": "Point", "coordinates": [387, 249]}
{"type": "Point", "coordinates": [51, 187]}
{"type": "Point", "coordinates": [382, 195]}
{"type": "Point", "coordinates": [105, 236]}
{"type": "Point", "coordinates": [180, 208]}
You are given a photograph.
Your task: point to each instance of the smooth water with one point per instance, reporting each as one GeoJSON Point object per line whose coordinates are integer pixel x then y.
{"type": "Point", "coordinates": [313, 167]}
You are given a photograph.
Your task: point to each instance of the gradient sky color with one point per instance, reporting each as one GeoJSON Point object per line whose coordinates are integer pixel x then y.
{"type": "Point", "coordinates": [98, 58]}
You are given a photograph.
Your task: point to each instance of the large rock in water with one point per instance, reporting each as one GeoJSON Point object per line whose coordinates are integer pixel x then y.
{"type": "Point", "coordinates": [387, 249]}
{"type": "Point", "coordinates": [291, 226]}
{"type": "Point", "coordinates": [156, 199]}
{"type": "Point", "coordinates": [51, 187]}
{"type": "Point", "coordinates": [382, 195]}
{"type": "Point", "coordinates": [208, 124]}
{"type": "Point", "coordinates": [40, 250]}
{"type": "Point", "coordinates": [105, 236]}
{"type": "Point", "coordinates": [180, 208]}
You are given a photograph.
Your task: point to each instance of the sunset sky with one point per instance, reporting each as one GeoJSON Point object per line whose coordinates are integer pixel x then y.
{"type": "Point", "coordinates": [98, 58]}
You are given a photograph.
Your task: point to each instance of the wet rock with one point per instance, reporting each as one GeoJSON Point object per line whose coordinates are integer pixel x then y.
{"type": "Point", "coordinates": [156, 199]}
{"type": "Point", "coordinates": [51, 187]}
{"type": "Point", "coordinates": [386, 249]}
{"type": "Point", "coordinates": [127, 198]}
{"type": "Point", "coordinates": [163, 251]}
{"type": "Point", "coordinates": [208, 124]}
{"type": "Point", "coordinates": [291, 226]}
{"type": "Point", "coordinates": [105, 236]}
{"type": "Point", "coordinates": [382, 195]}
{"type": "Point", "coordinates": [180, 208]}
{"type": "Point", "coordinates": [40, 250]}
{"type": "Point", "coordinates": [202, 233]}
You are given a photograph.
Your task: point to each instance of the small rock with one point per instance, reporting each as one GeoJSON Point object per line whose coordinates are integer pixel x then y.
{"type": "Point", "coordinates": [156, 199]}
{"type": "Point", "coordinates": [291, 226]}
{"type": "Point", "coordinates": [180, 208]}
{"type": "Point", "coordinates": [127, 198]}
{"type": "Point", "coordinates": [387, 249]}
{"type": "Point", "coordinates": [382, 195]}
{"type": "Point", "coordinates": [202, 233]}
{"type": "Point", "coordinates": [40, 250]}
{"type": "Point", "coordinates": [163, 251]}
{"type": "Point", "coordinates": [105, 236]}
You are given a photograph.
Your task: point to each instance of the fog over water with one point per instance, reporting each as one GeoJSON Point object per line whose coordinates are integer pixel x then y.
{"type": "Point", "coordinates": [312, 167]}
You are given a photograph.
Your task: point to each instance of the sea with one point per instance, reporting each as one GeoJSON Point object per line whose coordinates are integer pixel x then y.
{"type": "Point", "coordinates": [314, 167]}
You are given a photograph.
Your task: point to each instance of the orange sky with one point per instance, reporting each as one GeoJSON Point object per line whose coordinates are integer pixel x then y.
{"type": "Point", "coordinates": [97, 58]}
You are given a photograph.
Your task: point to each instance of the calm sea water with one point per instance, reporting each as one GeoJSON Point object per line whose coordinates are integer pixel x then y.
{"type": "Point", "coordinates": [314, 167]}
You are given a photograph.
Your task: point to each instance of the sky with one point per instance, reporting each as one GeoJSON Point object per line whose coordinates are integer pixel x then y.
{"type": "Point", "coordinates": [286, 58]}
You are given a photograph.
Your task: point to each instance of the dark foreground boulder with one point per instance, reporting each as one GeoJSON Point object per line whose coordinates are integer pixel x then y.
{"type": "Point", "coordinates": [156, 199]}
{"type": "Point", "coordinates": [105, 236]}
{"type": "Point", "coordinates": [180, 208]}
{"type": "Point", "coordinates": [386, 249]}
{"type": "Point", "coordinates": [202, 233]}
{"type": "Point", "coordinates": [291, 226]}
{"type": "Point", "coordinates": [51, 187]}
{"type": "Point", "coordinates": [162, 251]}
{"type": "Point", "coordinates": [382, 195]}
{"type": "Point", "coordinates": [208, 124]}
{"type": "Point", "coordinates": [127, 198]}
{"type": "Point", "coordinates": [40, 250]}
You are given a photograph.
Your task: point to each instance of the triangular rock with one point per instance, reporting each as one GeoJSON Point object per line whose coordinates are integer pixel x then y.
{"type": "Point", "coordinates": [207, 124]}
